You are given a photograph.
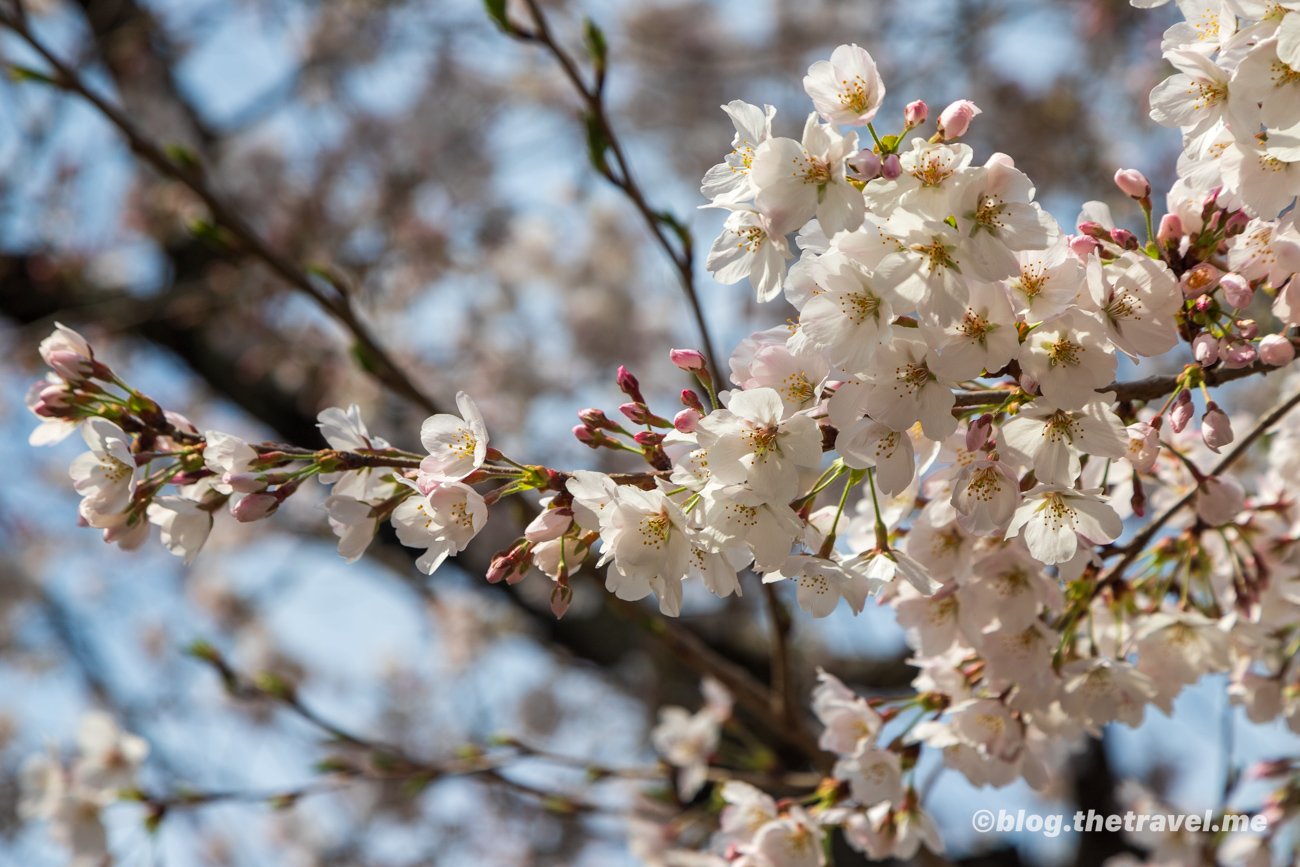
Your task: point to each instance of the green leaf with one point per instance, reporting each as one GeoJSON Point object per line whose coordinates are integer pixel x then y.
{"type": "Point", "coordinates": [364, 359]}
{"type": "Point", "coordinates": [24, 73]}
{"type": "Point", "coordinates": [183, 156]}
{"type": "Point", "coordinates": [670, 220]}
{"type": "Point", "coordinates": [597, 144]}
{"type": "Point", "coordinates": [496, 10]}
{"type": "Point", "coordinates": [890, 143]}
{"type": "Point", "coordinates": [597, 46]}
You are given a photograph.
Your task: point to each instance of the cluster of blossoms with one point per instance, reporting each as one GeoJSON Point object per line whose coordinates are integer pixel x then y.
{"type": "Point", "coordinates": [948, 386]}
{"type": "Point", "coordinates": [72, 796]}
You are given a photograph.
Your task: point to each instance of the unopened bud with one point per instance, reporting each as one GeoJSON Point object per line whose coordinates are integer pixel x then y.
{"type": "Point", "coordinates": [1094, 230]}
{"type": "Point", "coordinates": [1236, 224]}
{"type": "Point", "coordinates": [1205, 349]}
{"type": "Point", "coordinates": [1248, 329]}
{"type": "Point", "coordinates": [1236, 290]}
{"type": "Point", "coordinates": [1124, 238]}
{"type": "Point", "coordinates": [978, 432]}
{"type": "Point", "coordinates": [687, 359]}
{"type": "Point", "coordinates": [510, 565]}
{"type": "Point", "coordinates": [1236, 353]}
{"type": "Point", "coordinates": [1181, 412]}
{"type": "Point", "coordinates": [628, 385]}
{"type": "Point", "coordinates": [1204, 304]}
{"type": "Point", "coordinates": [955, 120]}
{"type": "Point", "coordinates": [691, 400]}
{"type": "Point", "coordinates": [915, 114]}
{"type": "Point", "coordinates": [1216, 428]}
{"type": "Point", "coordinates": [255, 507]}
{"type": "Point", "coordinates": [1028, 384]}
{"type": "Point", "coordinates": [596, 420]}
{"type": "Point", "coordinates": [865, 166]}
{"type": "Point", "coordinates": [891, 168]}
{"type": "Point", "coordinates": [1276, 350]}
{"type": "Point", "coordinates": [686, 420]}
{"type": "Point", "coordinates": [1170, 231]}
{"type": "Point", "coordinates": [1138, 502]}
{"type": "Point", "coordinates": [1083, 246]}
{"type": "Point", "coordinates": [648, 438]}
{"type": "Point", "coordinates": [639, 413]}
{"type": "Point", "coordinates": [1133, 183]}
{"type": "Point", "coordinates": [71, 365]}
{"type": "Point", "coordinates": [588, 437]}
{"type": "Point", "coordinates": [1199, 280]}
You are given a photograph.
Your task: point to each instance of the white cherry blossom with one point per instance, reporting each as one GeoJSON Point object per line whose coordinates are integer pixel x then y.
{"type": "Point", "coordinates": [457, 446]}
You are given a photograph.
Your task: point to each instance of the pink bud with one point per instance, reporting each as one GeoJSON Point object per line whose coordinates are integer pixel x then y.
{"type": "Point", "coordinates": [596, 420]}
{"type": "Point", "coordinates": [648, 438]}
{"type": "Point", "coordinates": [1028, 384]}
{"type": "Point", "coordinates": [1248, 329]}
{"type": "Point", "coordinates": [915, 113]}
{"type": "Point", "coordinates": [54, 396]}
{"type": "Point", "coordinates": [1133, 183]}
{"type": "Point", "coordinates": [1216, 429]}
{"type": "Point", "coordinates": [628, 385]}
{"type": "Point", "coordinates": [1124, 238]}
{"type": "Point", "coordinates": [70, 365]}
{"type": "Point", "coordinates": [865, 166]}
{"type": "Point", "coordinates": [561, 596]}
{"type": "Point", "coordinates": [691, 400]}
{"type": "Point", "coordinates": [1276, 351]}
{"type": "Point", "coordinates": [246, 483]}
{"type": "Point", "coordinates": [254, 507]}
{"type": "Point", "coordinates": [1083, 246]}
{"type": "Point", "coordinates": [1181, 412]}
{"type": "Point", "coordinates": [1204, 304]}
{"type": "Point", "coordinates": [978, 432]}
{"type": "Point", "coordinates": [1171, 230]}
{"type": "Point", "coordinates": [1236, 224]}
{"type": "Point", "coordinates": [1200, 280]}
{"type": "Point", "coordinates": [1236, 289]}
{"type": "Point", "coordinates": [686, 420]}
{"type": "Point", "coordinates": [891, 168]}
{"type": "Point", "coordinates": [510, 565]}
{"type": "Point", "coordinates": [639, 413]}
{"type": "Point", "coordinates": [1236, 353]}
{"type": "Point", "coordinates": [687, 359]}
{"type": "Point", "coordinates": [1205, 349]}
{"type": "Point", "coordinates": [587, 437]}
{"type": "Point", "coordinates": [1094, 230]}
{"type": "Point", "coordinates": [955, 119]}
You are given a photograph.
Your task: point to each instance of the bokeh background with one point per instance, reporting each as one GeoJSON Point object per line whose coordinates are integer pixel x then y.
{"type": "Point", "coordinates": [441, 166]}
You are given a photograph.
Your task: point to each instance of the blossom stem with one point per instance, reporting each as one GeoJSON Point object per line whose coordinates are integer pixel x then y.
{"type": "Point", "coordinates": [882, 532]}
{"type": "Point", "coordinates": [879, 144]}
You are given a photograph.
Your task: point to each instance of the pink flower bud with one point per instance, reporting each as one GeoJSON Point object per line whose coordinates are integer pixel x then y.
{"type": "Point", "coordinates": [1276, 351]}
{"type": "Point", "coordinates": [1028, 384]}
{"type": "Point", "coordinates": [978, 432]}
{"type": "Point", "coordinates": [1216, 429]}
{"type": "Point", "coordinates": [1236, 224]}
{"type": "Point", "coordinates": [70, 365]}
{"type": "Point", "coordinates": [1181, 412]}
{"type": "Point", "coordinates": [596, 420]}
{"type": "Point", "coordinates": [1199, 280]}
{"type": "Point", "coordinates": [254, 507]}
{"type": "Point", "coordinates": [891, 168]}
{"type": "Point", "coordinates": [955, 120]}
{"type": "Point", "coordinates": [1236, 353]}
{"type": "Point", "coordinates": [1124, 238]}
{"type": "Point", "coordinates": [639, 413]}
{"type": "Point", "coordinates": [246, 483]}
{"type": "Point", "coordinates": [915, 113]}
{"type": "Point", "coordinates": [687, 359]}
{"type": "Point", "coordinates": [691, 400]}
{"type": "Point", "coordinates": [1133, 183]}
{"type": "Point", "coordinates": [1248, 329]}
{"type": "Point", "coordinates": [510, 565]}
{"type": "Point", "coordinates": [686, 420]}
{"type": "Point", "coordinates": [1083, 246]}
{"type": "Point", "coordinates": [588, 437]}
{"type": "Point", "coordinates": [1094, 230]}
{"type": "Point", "coordinates": [865, 166]}
{"type": "Point", "coordinates": [1205, 349]}
{"type": "Point", "coordinates": [628, 385]}
{"type": "Point", "coordinates": [1170, 231]}
{"type": "Point", "coordinates": [1138, 502]}
{"type": "Point", "coordinates": [648, 438]}
{"type": "Point", "coordinates": [1236, 289]}
{"type": "Point", "coordinates": [54, 396]}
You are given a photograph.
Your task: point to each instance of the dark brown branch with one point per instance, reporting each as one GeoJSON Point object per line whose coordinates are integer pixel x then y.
{"type": "Point", "coordinates": [336, 304]}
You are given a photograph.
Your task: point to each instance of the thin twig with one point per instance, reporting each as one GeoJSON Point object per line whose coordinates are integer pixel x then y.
{"type": "Point", "coordinates": [594, 98]}
{"type": "Point", "coordinates": [1139, 542]}
{"type": "Point", "coordinates": [336, 305]}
